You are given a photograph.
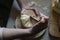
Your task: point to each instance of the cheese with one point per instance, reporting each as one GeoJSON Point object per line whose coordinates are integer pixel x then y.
{"type": "Point", "coordinates": [28, 25]}
{"type": "Point", "coordinates": [25, 18]}
{"type": "Point", "coordinates": [29, 18]}
{"type": "Point", "coordinates": [32, 14]}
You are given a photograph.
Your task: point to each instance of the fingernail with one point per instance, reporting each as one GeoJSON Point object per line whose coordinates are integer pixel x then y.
{"type": "Point", "coordinates": [43, 20]}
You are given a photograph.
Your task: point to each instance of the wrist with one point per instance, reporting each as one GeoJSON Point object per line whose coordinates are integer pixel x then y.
{"type": "Point", "coordinates": [29, 30]}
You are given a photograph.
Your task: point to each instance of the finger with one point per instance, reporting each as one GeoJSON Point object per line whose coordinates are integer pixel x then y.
{"type": "Point", "coordinates": [46, 22]}
{"type": "Point", "coordinates": [46, 17]}
{"type": "Point", "coordinates": [34, 9]}
{"type": "Point", "coordinates": [42, 19]}
{"type": "Point", "coordinates": [22, 12]}
{"type": "Point", "coordinates": [27, 7]}
{"type": "Point", "coordinates": [37, 12]}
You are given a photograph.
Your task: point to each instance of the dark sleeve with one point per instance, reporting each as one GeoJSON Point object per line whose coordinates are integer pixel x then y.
{"type": "Point", "coordinates": [5, 7]}
{"type": "Point", "coordinates": [6, 3]}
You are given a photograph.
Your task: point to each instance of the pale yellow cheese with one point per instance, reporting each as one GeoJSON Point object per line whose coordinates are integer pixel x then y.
{"type": "Point", "coordinates": [25, 18]}
{"type": "Point", "coordinates": [32, 14]}
{"type": "Point", "coordinates": [29, 18]}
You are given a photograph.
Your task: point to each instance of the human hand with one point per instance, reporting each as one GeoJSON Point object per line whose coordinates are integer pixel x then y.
{"type": "Point", "coordinates": [39, 26]}
{"type": "Point", "coordinates": [30, 8]}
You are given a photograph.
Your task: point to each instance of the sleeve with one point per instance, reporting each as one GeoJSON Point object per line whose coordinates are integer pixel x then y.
{"type": "Point", "coordinates": [1, 33]}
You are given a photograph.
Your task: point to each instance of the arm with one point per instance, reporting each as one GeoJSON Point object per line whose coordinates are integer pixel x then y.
{"type": "Point", "coordinates": [20, 3]}
{"type": "Point", "coordinates": [15, 33]}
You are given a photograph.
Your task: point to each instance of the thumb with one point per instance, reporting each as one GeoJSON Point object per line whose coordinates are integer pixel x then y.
{"type": "Point", "coordinates": [39, 26]}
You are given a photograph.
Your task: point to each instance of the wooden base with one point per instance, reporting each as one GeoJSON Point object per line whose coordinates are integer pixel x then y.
{"type": "Point", "coordinates": [54, 29]}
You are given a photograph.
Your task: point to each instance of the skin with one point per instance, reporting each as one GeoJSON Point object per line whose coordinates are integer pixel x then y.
{"type": "Point", "coordinates": [18, 33]}
{"type": "Point", "coordinates": [21, 4]}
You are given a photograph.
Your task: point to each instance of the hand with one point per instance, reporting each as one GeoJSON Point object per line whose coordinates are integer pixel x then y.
{"type": "Point", "coordinates": [30, 8]}
{"type": "Point", "coordinates": [42, 24]}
